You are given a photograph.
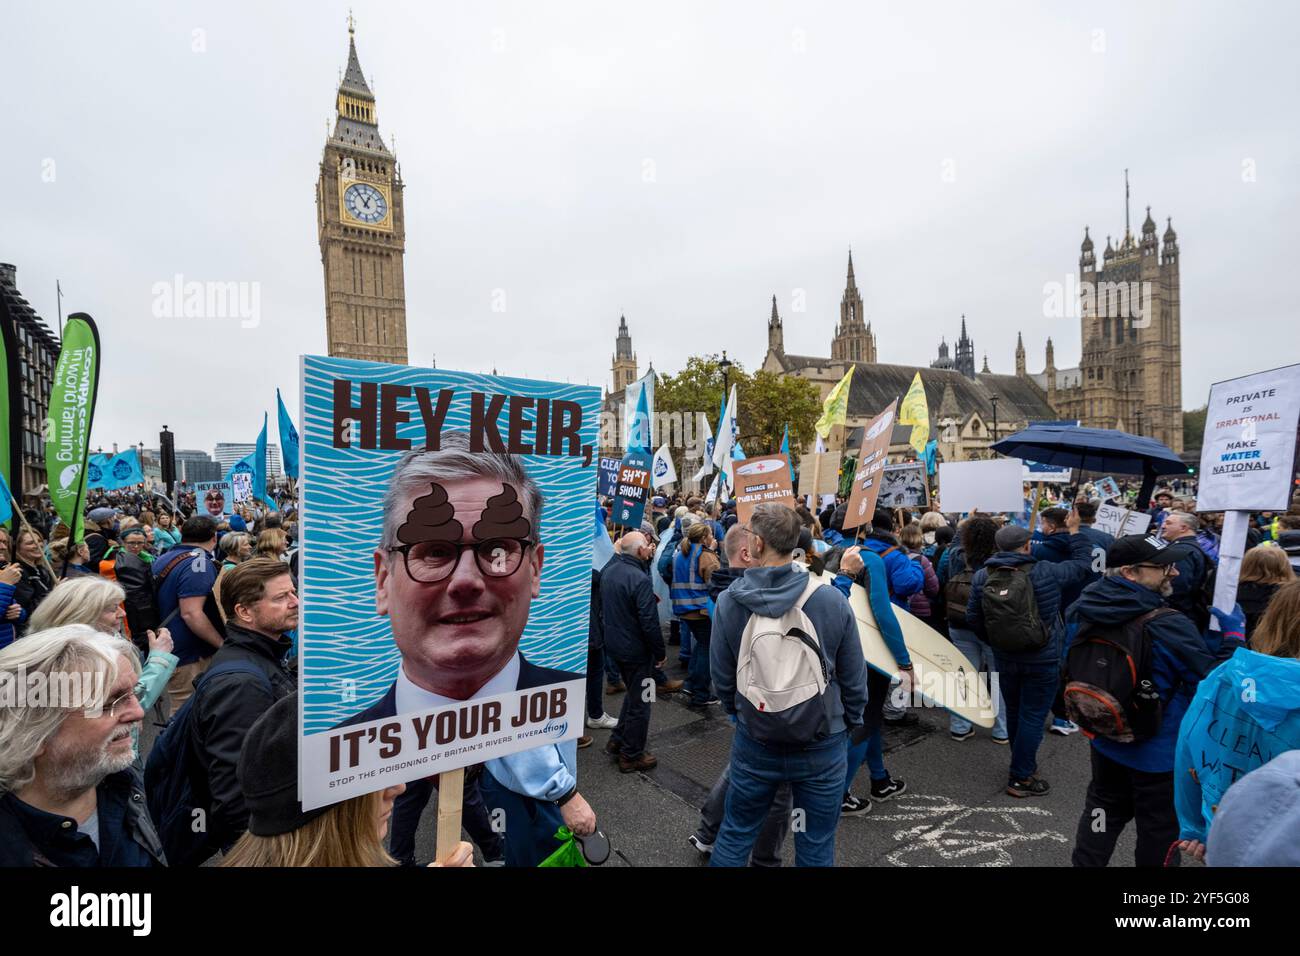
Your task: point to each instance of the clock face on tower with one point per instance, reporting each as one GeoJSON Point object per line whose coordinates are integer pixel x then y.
{"type": "Point", "coordinates": [365, 203]}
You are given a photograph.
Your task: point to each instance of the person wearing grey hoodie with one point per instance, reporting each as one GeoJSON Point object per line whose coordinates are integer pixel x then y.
{"type": "Point", "coordinates": [814, 768]}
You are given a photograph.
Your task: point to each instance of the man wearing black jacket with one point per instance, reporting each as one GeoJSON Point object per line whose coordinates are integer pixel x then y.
{"type": "Point", "coordinates": [635, 643]}
{"type": "Point", "coordinates": [261, 607]}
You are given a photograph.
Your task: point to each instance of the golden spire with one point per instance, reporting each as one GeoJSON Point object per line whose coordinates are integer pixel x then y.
{"type": "Point", "coordinates": [352, 26]}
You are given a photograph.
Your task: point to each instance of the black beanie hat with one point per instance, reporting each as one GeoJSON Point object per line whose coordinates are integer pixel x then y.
{"type": "Point", "coordinates": [268, 772]}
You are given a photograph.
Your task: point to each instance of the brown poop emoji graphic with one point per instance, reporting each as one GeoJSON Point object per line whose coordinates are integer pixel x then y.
{"type": "Point", "coordinates": [431, 518]}
{"type": "Point", "coordinates": [503, 517]}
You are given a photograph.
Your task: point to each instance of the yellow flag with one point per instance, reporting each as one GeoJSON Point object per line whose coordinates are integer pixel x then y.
{"type": "Point", "coordinates": [915, 411]}
{"type": "Point", "coordinates": [836, 407]}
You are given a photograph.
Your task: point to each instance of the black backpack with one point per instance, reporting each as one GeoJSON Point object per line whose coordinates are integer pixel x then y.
{"type": "Point", "coordinates": [178, 807]}
{"type": "Point", "coordinates": [1011, 611]}
{"type": "Point", "coordinates": [1109, 691]}
{"type": "Point", "coordinates": [956, 595]}
{"type": "Point", "coordinates": [141, 604]}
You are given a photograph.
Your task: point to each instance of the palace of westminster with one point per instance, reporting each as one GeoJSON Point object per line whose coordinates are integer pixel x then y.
{"type": "Point", "coordinates": [1128, 377]}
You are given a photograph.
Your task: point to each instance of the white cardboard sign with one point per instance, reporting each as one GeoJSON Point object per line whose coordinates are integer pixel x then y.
{"type": "Point", "coordinates": [1250, 440]}
{"type": "Point", "coordinates": [986, 486]}
{"type": "Point", "coordinates": [1118, 522]}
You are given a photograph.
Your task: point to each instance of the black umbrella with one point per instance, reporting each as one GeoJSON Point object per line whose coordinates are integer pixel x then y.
{"type": "Point", "coordinates": [1095, 449]}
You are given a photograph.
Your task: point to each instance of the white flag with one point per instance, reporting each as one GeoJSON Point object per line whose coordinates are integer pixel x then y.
{"type": "Point", "coordinates": [707, 448]}
{"type": "Point", "coordinates": [661, 470]}
{"type": "Point", "coordinates": [714, 489]}
{"type": "Point", "coordinates": [726, 434]}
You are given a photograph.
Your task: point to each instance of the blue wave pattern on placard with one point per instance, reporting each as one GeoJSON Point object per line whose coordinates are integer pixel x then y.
{"type": "Point", "coordinates": [342, 490]}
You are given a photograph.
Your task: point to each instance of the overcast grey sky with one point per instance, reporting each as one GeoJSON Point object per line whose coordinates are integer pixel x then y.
{"type": "Point", "coordinates": [676, 162]}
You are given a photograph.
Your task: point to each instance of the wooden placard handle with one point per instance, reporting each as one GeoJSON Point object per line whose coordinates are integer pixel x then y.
{"type": "Point", "coordinates": [451, 797]}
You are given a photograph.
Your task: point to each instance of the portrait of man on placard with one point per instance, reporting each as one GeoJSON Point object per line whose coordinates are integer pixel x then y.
{"type": "Point", "coordinates": [456, 571]}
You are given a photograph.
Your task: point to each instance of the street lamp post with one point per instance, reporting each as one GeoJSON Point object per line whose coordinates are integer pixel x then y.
{"type": "Point", "coordinates": [994, 400]}
{"type": "Point", "coordinates": [726, 373]}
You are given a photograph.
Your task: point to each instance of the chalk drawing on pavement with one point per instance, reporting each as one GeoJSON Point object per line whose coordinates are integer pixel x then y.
{"type": "Point", "coordinates": [944, 831]}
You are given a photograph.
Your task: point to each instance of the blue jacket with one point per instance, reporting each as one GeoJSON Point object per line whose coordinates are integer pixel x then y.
{"type": "Point", "coordinates": [1055, 549]}
{"type": "Point", "coordinates": [905, 576]}
{"type": "Point", "coordinates": [1048, 580]}
{"type": "Point", "coordinates": [873, 580]}
{"type": "Point", "coordinates": [6, 627]}
{"type": "Point", "coordinates": [772, 591]}
{"type": "Point", "coordinates": [1224, 737]}
{"type": "Point", "coordinates": [629, 613]}
{"type": "Point", "coordinates": [1181, 656]}
{"type": "Point", "coordinates": [1192, 567]}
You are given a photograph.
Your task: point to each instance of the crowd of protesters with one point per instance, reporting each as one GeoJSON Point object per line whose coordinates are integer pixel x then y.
{"type": "Point", "coordinates": [192, 619]}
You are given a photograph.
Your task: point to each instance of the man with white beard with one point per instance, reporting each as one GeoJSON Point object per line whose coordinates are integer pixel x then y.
{"type": "Point", "coordinates": [69, 794]}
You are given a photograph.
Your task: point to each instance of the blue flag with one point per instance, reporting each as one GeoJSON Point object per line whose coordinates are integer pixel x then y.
{"type": "Point", "coordinates": [259, 473]}
{"type": "Point", "coordinates": [288, 440]}
{"type": "Point", "coordinates": [122, 470]}
{"type": "Point", "coordinates": [930, 454]}
{"type": "Point", "coordinates": [95, 467]}
{"type": "Point", "coordinates": [6, 501]}
{"type": "Point", "coordinates": [785, 450]}
{"type": "Point", "coordinates": [639, 436]}
{"type": "Point", "coordinates": [602, 549]}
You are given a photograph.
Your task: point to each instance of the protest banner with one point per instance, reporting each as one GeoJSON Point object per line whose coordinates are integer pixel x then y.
{"type": "Point", "coordinates": [215, 499]}
{"type": "Point", "coordinates": [72, 413]}
{"type": "Point", "coordinates": [1248, 458]}
{"type": "Point", "coordinates": [1047, 474]}
{"type": "Point", "coordinates": [417, 657]}
{"type": "Point", "coordinates": [607, 482]}
{"type": "Point", "coordinates": [904, 486]}
{"type": "Point", "coordinates": [1107, 489]}
{"type": "Point", "coordinates": [827, 473]}
{"type": "Point", "coordinates": [1118, 522]}
{"type": "Point", "coordinates": [632, 490]}
{"type": "Point", "coordinates": [986, 486]}
{"type": "Point", "coordinates": [760, 480]}
{"type": "Point", "coordinates": [866, 477]}
{"type": "Point", "coordinates": [1248, 453]}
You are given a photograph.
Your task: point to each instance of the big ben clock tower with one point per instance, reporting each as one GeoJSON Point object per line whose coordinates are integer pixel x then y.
{"type": "Point", "coordinates": [362, 229]}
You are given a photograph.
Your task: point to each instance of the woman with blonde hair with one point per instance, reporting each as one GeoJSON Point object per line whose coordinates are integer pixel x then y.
{"type": "Point", "coordinates": [97, 602]}
{"type": "Point", "coordinates": [281, 833]}
{"type": "Point", "coordinates": [272, 543]}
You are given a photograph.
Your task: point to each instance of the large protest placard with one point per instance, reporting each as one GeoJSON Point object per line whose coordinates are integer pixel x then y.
{"type": "Point", "coordinates": [904, 486]}
{"type": "Point", "coordinates": [986, 486]}
{"type": "Point", "coordinates": [446, 591]}
{"type": "Point", "coordinates": [827, 475]}
{"type": "Point", "coordinates": [866, 477]}
{"type": "Point", "coordinates": [632, 490]}
{"type": "Point", "coordinates": [607, 483]}
{"type": "Point", "coordinates": [1118, 522]}
{"type": "Point", "coordinates": [761, 480]}
{"type": "Point", "coordinates": [1248, 454]}
{"type": "Point", "coordinates": [214, 499]}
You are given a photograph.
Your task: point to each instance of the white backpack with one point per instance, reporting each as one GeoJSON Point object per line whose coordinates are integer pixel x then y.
{"type": "Point", "coordinates": [782, 676]}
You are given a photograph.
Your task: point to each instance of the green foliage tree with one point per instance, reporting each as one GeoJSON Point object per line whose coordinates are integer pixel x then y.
{"type": "Point", "coordinates": [768, 404]}
{"type": "Point", "coordinates": [1194, 427]}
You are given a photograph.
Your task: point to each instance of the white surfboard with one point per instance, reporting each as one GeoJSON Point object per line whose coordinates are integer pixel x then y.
{"type": "Point", "coordinates": [942, 674]}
